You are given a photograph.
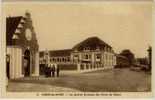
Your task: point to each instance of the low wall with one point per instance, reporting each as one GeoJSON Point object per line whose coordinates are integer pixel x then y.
{"type": "Point", "coordinates": [86, 67]}
{"type": "Point", "coordinates": [77, 68]}
{"type": "Point", "coordinates": [67, 67]}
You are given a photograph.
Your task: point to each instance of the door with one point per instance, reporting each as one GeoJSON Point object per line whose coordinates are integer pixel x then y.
{"type": "Point", "coordinates": [27, 63]}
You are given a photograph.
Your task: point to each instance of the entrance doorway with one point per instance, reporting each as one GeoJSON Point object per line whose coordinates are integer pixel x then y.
{"type": "Point", "coordinates": [27, 62]}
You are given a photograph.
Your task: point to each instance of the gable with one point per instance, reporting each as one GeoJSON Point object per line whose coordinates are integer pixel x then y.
{"type": "Point", "coordinates": [16, 32]}
{"type": "Point", "coordinates": [92, 43]}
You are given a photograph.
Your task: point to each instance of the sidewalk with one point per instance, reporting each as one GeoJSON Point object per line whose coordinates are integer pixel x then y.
{"type": "Point", "coordinates": [32, 87]}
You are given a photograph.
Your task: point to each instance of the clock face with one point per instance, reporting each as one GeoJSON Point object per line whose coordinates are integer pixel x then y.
{"type": "Point", "coordinates": [28, 34]}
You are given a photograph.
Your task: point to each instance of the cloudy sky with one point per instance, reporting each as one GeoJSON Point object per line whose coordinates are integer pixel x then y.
{"type": "Point", "coordinates": [63, 25]}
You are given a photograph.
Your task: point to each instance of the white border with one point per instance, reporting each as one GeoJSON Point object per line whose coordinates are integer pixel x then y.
{"type": "Point", "coordinates": [28, 94]}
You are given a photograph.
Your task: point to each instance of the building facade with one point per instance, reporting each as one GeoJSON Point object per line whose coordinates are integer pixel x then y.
{"type": "Point", "coordinates": [90, 54]}
{"type": "Point", "coordinates": [22, 55]}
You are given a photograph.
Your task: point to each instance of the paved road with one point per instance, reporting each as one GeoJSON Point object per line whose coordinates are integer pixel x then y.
{"type": "Point", "coordinates": [116, 80]}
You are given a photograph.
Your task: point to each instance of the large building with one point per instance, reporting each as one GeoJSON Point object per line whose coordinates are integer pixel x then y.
{"type": "Point", "coordinates": [22, 56]}
{"type": "Point", "coordinates": [90, 54]}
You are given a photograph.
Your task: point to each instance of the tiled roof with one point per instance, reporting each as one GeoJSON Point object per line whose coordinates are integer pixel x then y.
{"type": "Point", "coordinates": [11, 25]}
{"type": "Point", "coordinates": [92, 42]}
{"type": "Point", "coordinates": [58, 53]}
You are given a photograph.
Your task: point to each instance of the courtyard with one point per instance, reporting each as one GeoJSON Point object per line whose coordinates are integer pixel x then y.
{"type": "Point", "coordinates": [114, 80]}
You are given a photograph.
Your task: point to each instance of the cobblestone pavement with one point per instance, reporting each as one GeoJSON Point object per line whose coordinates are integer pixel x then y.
{"type": "Point", "coordinates": [115, 80]}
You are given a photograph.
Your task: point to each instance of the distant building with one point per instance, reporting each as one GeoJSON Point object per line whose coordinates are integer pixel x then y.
{"type": "Point", "coordinates": [92, 53]}
{"type": "Point", "coordinates": [22, 56]}
{"type": "Point", "coordinates": [55, 56]}
{"type": "Point", "coordinates": [142, 61]}
{"type": "Point", "coordinates": [122, 61]}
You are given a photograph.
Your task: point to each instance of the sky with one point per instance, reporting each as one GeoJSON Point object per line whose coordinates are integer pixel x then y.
{"type": "Point", "coordinates": [63, 25]}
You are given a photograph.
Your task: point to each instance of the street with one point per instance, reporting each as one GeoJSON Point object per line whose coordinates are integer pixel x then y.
{"type": "Point", "coordinates": [115, 80]}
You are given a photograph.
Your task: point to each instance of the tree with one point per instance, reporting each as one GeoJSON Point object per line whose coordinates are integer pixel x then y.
{"type": "Point", "coordinates": [129, 55]}
{"type": "Point", "coordinates": [150, 57]}
{"type": "Point", "coordinates": [143, 61]}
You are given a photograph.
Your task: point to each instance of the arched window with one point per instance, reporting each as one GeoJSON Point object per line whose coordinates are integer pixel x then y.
{"type": "Point", "coordinates": [98, 56]}
{"type": "Point", "coordinates": [57, 59]}
{"type": "Point", "coordinates": [63, 59]}
{"type": "Point", "coordinates": [53, 59]}
{"type": "Point", "coordinates": [86, 56]}
{"type": "Point", "coordinates": [68, 59]}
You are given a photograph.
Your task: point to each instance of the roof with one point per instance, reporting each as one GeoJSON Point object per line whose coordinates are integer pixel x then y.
{"type": "Point", "coordinates": [15, 32]}
{"type": "Point", "coordinates": [120, 56]}
{"type": "Point", "coordinates": [92, 42]}
{"type": "Point", "coordinates": [11, 25]}
{"type": "Point", "coordinates": [58, 53]}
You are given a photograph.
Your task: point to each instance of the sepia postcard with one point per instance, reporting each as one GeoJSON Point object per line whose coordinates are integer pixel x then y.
{"type": "Point", "coordinates": [77, 49]}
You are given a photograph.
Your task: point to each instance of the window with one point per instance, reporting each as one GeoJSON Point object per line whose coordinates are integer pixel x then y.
{"type": "Point", "coordinates": [53, 59]}
{"type": "Point", "coordinates": [63, 59]}
{"type": "Point", "coordinates": [57, 59]}
{"type": "Point", "coordinates": [86, 48]}
{"type": "Point", "coordinates": [97, 48]}
{"type": "Point", "coordinates": [98, 56]}
{"type": "Point", "coordinates": [87, 56]}
{"type": "Point", "coordinates": [75, 50]}
{"type": "Point", "coordinates": [68, 59]}
{"type": "Point", "coordinates": [75, 56]}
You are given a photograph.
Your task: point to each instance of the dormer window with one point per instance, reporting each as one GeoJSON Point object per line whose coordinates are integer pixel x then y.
{"type": "Point", "coordinates": [75, 50]}
{"type": "Point", "coordinates": [86, 48]}
{"type": "Point", "coordinates": [97, 48]}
